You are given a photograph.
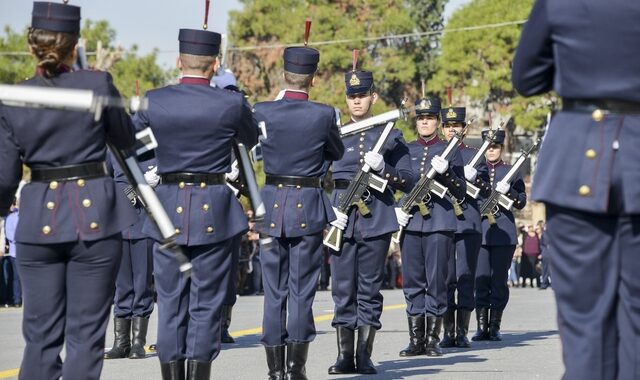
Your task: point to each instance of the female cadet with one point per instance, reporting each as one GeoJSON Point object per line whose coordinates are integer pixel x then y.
{"type": "Point", "coordinates": [69, 241]}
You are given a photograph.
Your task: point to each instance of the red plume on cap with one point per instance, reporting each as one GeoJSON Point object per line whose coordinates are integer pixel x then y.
{"type": "Point", "coordinates": [449, 96]}
{"type": "Point", "coordinates": [206, 14]}
{"type": "Point", "coordinates": [137, 87]}
{"type": "Point", "coordinates": [354, 60]}
{"type": "Point", "coordinates": [490, 120]}
{"type": "Point", "coordinates": [307, 30]}
{"type": "Point", "coordinates": [422, 87]}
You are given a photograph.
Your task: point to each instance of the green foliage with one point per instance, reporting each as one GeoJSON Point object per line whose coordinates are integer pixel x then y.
{"type": "Point", "coordinates": [15, 68]}
{"type": "Point", "coordinates": [477, 64]}
{"type": "Point", "coordinates": [144, 69]}
{"type": "Point", "coordinates": [94, 31]}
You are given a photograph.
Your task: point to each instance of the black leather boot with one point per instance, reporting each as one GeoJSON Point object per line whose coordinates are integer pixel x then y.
{"type": "Point", "coordinates": [275, 362]}
{"type": "Point", "coordinates": [122, 341]}
{"type": "Point", "coordinates": [198, 370]}
{"type": "Point", "coordinates": [173, 370]}
{"type": "Point", "coordinates": [462, 328]}
{"type": "Point", "coordinates": [366, 336]}
{"type": "Point", "coordinates": [494, 325]}
{"type": "Point", "coordinates": [344, 363]}
{"type": "Point", "coordinates": [449, 324]}
{"type": "Point", "coordinates": [226, 322]}
{"type": "Point", "coordinates": [139, 332]}
{"type": "Point", "coordinates": [296, 361]}
{"type": "Point", "coordinates": [433, 332]}
{"type": "Point", "coordinates": [482, 316]}
{"type": "Point", "coordinates": [416, 336]}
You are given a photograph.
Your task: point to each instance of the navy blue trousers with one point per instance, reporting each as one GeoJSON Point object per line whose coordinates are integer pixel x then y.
{"type": "Point", "coordinates": [290, 271]}
{"type": "Point", "coordinates": [189, 320]}
{"type": "Point", "coordinates": [492, 272]}
{"type": "Point", "coordinates": [11, 280]}
{"type": "Point", "coordinates": [595, 263]}
{"type": "Point", "coordinates": [134, 288]}
{"type": "Point", "coordinates": [68, 289]}
{"type": "Point", "coordinates": [462, 272]}
{"type": "Point", "coordinates": [232, 288]}
{"type": "Point", "coordinates": [425, 260]}
{"type": "Point", "coordinates": [357, 273]}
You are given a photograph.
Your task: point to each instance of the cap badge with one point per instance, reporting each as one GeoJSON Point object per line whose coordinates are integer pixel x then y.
{"type": "Point", "coordinates": [354, 81]}
{"type": "Point", "coordinates": [451, 114]}
{"type": "Point", "coordinates": [424, 104]}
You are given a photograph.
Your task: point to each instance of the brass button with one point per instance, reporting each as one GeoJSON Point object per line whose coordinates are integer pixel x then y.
{"type": "Point", "coordinates": [80, 182]}
{"type": "Point", "coordinates": [361, 146]}
{"type": "Point", "coordinates": [362, 153]}
{"type": "Point", "coordinates": [280, 186]}
{"type": "Point", "coordinates": [361, 160]}
{"type": "Point", "coordinates": [209, 229]}
{"type": "Point", "coordinates": [178, 231]}
{"type": "Point", "coordinates": [275, 205]}
{"type": "Point", "coordinates": [298, 187]}
{"type": "Point", "coordinates": [299, 205]}
{"type": "Point", "coordinates": [590, 153]}
{"type": "Point", "coordinates": [387, 175]}
{"type": "Point", "coordinates": [203, 185]}
{"type": "Point", "coordinates": [597, 115]}
{"type": "Point", "coordinates": [361, 138]}
{"type": "Point", "coordinates": [181, 185]}
{"type": "Point", "coordinates": [205, 207]}
{"type": "Point", "coordinates": [53, 185]}
{"type": "Point", "coordinates": [46, 230]}
{"type": "Point", "coordinates": [403, 181]}
{"type": "Point", "coordinates": [272, 225]}
{"type": "Point", "coordinates": [361, 133]}
{"type": "Point", "coordinates": [584, 190]}
{"type": "Point", "coordinates": [86, 202]}
{"type": "Point", "coordinates": [395, 179]}
{"type": "Point", "coordinates": [303, 225]}
{"type": "Point", "coordinates": [93, 225]}
{"type": "Point", "coordinates": [51, 205]}
{"type": "Point", "coordinates": [179, 210]}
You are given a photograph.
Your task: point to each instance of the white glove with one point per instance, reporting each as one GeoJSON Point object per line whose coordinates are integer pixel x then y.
{"type": "Point", "coordinates": [402, 217]}
{"type": "Point", "coordinates": [470, 173]}
{"type": "Point", "coordinates": [152, 177]}
{"type": "Point", "coordinates": [502, 187]}
{"type": "Point", "coordinates": [234, 173]}
{"type": "Point", "coordinates": [439, 164]}
{"type": "Point", "coordinates": [341, 221]}
{"type": "Point", "coordinates": [374, 160]}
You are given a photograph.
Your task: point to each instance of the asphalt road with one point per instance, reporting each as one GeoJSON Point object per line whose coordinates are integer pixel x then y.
{"type": "Point", "coordinates": [530, 349]}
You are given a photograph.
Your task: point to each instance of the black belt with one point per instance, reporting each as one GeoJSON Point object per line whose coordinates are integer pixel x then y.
{"type": "Point", "coordinates": [341, 184]}
{"type": "Point", "coordinates": [280, 180]}
{"type": "Point", "coordinates": [604, 105]}
{"type": "Point", "coordinates": [192, 178]}
{"type": "Point", "coordinates": [70, 172]}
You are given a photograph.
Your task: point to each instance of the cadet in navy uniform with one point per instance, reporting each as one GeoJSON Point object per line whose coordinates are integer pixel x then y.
{"type": "Point", "coordinates": [427, 241]}
{"type": "Point", "coordinates": [297, 211]}
{"type": "Point", "coordinates": [208, 218]}
{"type": "Point", "coordinates": [133, 302]}
{"type": "Point", "coordinates": [468, 238]}
{"type": "Point", "coordinates": [498, 245]}
{"type": "Point", "coordinates": [588, 175]}
{"type": "Point", "coordinates": [72, 214]}
{"type": "Point", "coordinates": [357, 271]}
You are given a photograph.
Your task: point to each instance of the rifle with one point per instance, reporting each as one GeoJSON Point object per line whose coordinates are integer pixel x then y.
{"type": "Point", "coordinates": [372, 122]}
{"type": "Point", "coordinates": [425, 186]}
{"type": "Point", "coordinates": [358, 186]}
{"type": "Point", "coordinates": [491, 206]}
{"type": "Point", "coordinates": [472, 190]}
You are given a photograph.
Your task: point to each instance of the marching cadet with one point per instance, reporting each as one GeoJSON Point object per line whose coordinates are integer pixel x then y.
{"type": "Point", "coordinates": [468, 238]}
{"type": "Point", "coordinates": [588, 176]}
{"type": "Point", "coordinates": [72, 214]}
{"type": "Point", "coordinates": [195, 125]}
{"type": "Point", "coordinates": [297, 211]}
{"type": "Point", "coordinates": [428, 241]}
{"type": "Point", "coordinates": [357, 271]}
{"type": "Point", "coordinates": [133, 302]}
{"type": "Point", "coordinates": [498, 245]}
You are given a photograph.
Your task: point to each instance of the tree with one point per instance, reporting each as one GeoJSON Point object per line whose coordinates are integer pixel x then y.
{"type": "Point", "coordinates": [477, 63]}
{"type": "Point", "coordinates": [15, 68]}
{"type": "Point", "coordinates": [428, 15]}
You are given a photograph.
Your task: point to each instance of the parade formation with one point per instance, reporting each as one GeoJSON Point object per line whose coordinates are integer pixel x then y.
{"type": "Point", "coordinates": [121, 203]}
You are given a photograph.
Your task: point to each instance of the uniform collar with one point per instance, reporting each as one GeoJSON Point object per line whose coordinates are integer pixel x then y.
{"type": "Point", "coordinates": [463, 145]}
{"type": "Point", "coordinates": [295, 95]}
{"type": "Point", "coordinates": [194, 80]}
{"type": "Point", "coordinates": [496, 164]}
{"type": "Point", "coordinates": [432, 141]}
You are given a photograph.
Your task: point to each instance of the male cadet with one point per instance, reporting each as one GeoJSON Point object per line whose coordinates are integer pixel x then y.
{"type": "Point", "coordinates": [428, 241]}
{"type": "Point", "coordinates": [357, 270]}
{"type": "Point", "coordinates": [195, 125]}
{"type": "Point", "coordinates": [133, 302]}
{"type": "Point", "coordinates": [468, 238]}
{"type": "Point", "coordinates": [498, 245]}
{"type": "Point", "coordinates": [588, 175]}
{"type": "Point", "coordinates": [302, 139]}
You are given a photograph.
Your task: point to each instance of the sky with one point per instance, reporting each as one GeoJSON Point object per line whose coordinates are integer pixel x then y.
{"type": "Point", "coordinates": [136, 22]}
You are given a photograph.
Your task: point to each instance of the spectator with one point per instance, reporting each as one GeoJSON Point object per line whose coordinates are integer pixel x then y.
{"type": "Point", "coordinates": [4, 250]}
{"type": "Point", "coordinates": [10, 266]}
{"type": "Point", "coordinates": [531, 251]}
{"type": "Point", "coordinates": [514, 276]}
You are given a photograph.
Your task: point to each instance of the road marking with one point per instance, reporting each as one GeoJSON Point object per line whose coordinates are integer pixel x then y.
{"type": "Point", "coordinates": [236, 334]}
